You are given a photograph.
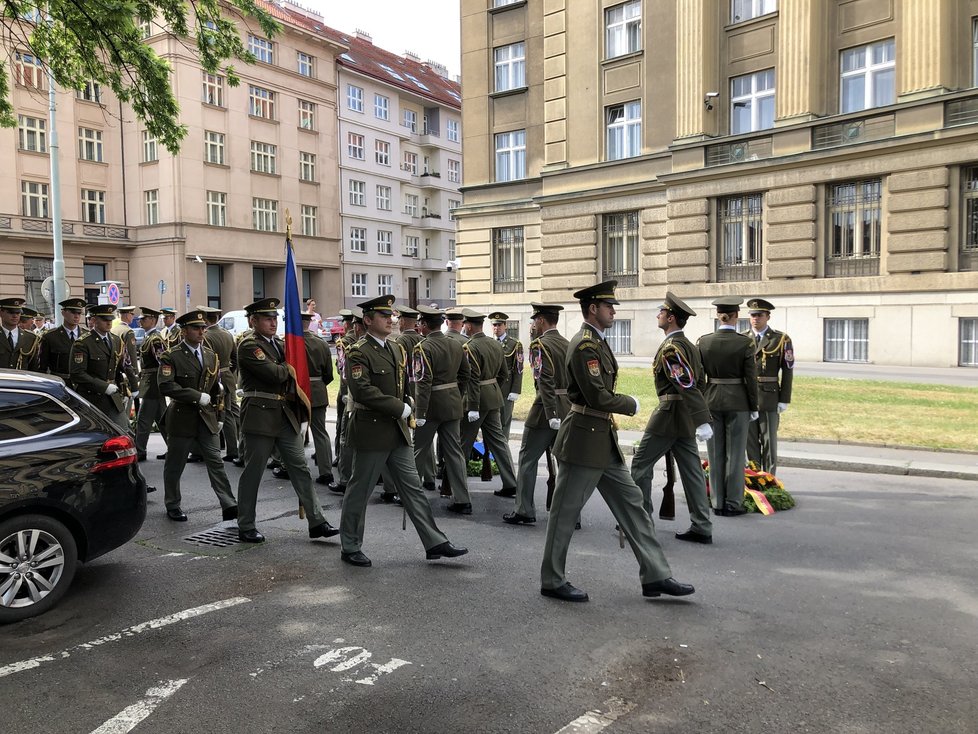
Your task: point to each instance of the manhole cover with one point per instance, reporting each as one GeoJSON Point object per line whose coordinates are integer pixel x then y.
{"type": "Point", "coordinates": [215, 537]}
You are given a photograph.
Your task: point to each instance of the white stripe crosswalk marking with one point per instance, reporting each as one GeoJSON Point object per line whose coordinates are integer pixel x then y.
{"type": "Point", "coordinates": [130, 717]}
{"type": "Point", "coordinates": [595, 721]}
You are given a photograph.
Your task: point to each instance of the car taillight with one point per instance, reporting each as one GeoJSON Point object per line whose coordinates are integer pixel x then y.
{"type": "Point", "coordinates": [116, 452]}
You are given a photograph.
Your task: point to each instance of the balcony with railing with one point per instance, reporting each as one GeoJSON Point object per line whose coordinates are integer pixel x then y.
{"type": "Point", "coordinates": [852, 266]}
{"type": "Point", "coordinates": [738, 272]}
{"type": "Point", "coordinates": [739, 151]}
{"type": "Point", "coordinates": [18, 223]}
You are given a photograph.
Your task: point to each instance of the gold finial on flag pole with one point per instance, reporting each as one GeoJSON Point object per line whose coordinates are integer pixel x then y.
{"type": "Point", "coordinates": [288, 225]}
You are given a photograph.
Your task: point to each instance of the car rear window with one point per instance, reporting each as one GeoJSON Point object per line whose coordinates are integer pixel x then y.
{"type": "Point", "coordinates": [27, 414]}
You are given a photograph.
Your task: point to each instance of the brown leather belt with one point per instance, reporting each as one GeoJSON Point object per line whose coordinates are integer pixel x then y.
{"type": "Point", "coordinates": [443, 386]}
{"type": "Point", "coordinates": [487, 382]}
{"type": "Point", "coordinates": [726, 380]}
{"type": "Point", "coordinates": [560, 391]}
{"type": "Point", "coordinates": [149, 369]}
{"type": "Point", "coordinates": [767, 379]}
{"type": "Point", "coordinates": [584, 410]}
{"type": "Point", "coordinates": [259, 394]}
{"type": "Point", "coordinates": [670, 397]}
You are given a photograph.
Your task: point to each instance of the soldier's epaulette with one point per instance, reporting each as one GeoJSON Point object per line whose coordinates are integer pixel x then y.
{"type": "Point", "coordinates": [358, 344]}
{"type": "Point", "coordinates": [84, 336]}
{"type": "Point", "coordinates": [587, 344]}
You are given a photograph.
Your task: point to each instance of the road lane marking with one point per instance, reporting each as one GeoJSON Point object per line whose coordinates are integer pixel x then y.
{"type": "Point", "coordinates": [130, 717]}
{"type": "Point", "coordinates": [153, 624]}
{"type": "Point", "coordinates": [595, 721]}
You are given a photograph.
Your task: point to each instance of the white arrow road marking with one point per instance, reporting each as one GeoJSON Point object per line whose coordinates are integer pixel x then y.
{"type": "Point", "coordinates": [153, 624]}
{"type": "Point", "coordinates": [595, 721]}
{"type": "Point", "coordinates": [127, 719]}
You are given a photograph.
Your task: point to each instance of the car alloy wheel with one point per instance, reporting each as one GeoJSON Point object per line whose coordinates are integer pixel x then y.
{"type": "Point", "coordinates": [38, 558]}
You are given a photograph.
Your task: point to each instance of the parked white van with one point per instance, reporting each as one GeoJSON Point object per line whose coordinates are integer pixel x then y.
{"type": "Point", "coordinates": [237, 322]}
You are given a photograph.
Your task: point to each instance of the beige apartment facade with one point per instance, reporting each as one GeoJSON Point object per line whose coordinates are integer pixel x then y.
{"type": "Point", "coordinates": [821, 155]}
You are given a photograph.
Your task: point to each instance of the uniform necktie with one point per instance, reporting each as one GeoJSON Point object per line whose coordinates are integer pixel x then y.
{"type": "Point", "coordinates": [274, 348]}
{"type": "Point", "coordinates": [757, 339]}
{"type": "Point", "coordinates": [71, 336]}
{"type": "Point", "coordinates": [10, 340]}
{"type": "Point", "coordinates": [200, 357]}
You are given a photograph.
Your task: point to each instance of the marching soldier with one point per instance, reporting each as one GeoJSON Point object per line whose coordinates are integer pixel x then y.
{"type": "Point", "coordinates": [548, 353]}
{"type": "Point", "coordinates": [27, 316]}
{"type": "Point", "coordinates": [379, 436]}
{"type": "Point", "coordinates": [56, 343]}
{"type": "Point", "coordinates": [189, 375]}
{"type": "Point", "coordinates": [98, 367]}
{"type": "Point", "coordinates": [41, 325]}
{"type": "Point", "coordinates": [345, 465]}
{"type": "Point", "coordinates": [222, 342]}
{"type": "Point", "coordinates": [454, 323]}
{"type": "Point", "coordinates": [20, 349]}
{"type": "Point", "coordinates": [122, 330]}
{"type": "Point", "coordinates": [341, 344]}
{"type": "Point", "coordinates": [731, 394]}
{"type": "Point", "coordinates": [152, 404]}
{"type": "Point", "coordinates": [589, 456]}
{"type": "Point", "coordinates": [513, 353]}
{"type": "Point", "coordinates": [408, 337]}
{"type": "Point", "coordinates": [775, 358]}
{"type": "Point", "coordinates": [170, 331]}
{"type": "Point", "coordinates": [271, 417]}
{"type": "Point", "coordinates": [320, 363]}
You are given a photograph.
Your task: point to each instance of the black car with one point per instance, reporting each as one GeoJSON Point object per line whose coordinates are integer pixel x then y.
{"type": "Point", "coordinates": [70, 490]}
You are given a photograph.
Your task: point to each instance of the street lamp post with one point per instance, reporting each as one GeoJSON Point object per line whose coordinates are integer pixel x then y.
{"type": "Point", "coordinates": [58, 269]}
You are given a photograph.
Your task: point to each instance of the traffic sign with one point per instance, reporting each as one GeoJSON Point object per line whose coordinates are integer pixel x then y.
{"type": "Point", "coordinates": [113, 293]}
{"type": "Point", "coordinates": [161, 286]}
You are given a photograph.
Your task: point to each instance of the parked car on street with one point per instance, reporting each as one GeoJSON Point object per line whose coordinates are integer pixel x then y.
{"type": "Point", "coordinates": [333, 328]}
{"type": "Point", "coordinates": [70, 490]}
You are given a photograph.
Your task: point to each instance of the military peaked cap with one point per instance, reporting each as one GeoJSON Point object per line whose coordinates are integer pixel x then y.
{"type": "Point", "coordinates": [102, 310]}
{"type": "Point", "coordinates": [539, 309]}
{"type": "Point", "coordinates": [380, 304]}
{"type": "Point", "coordinates": [73, 304]}
{"type": "Point", "coordinates": [758, 305]}
{"type": "Point", "coordinates": [192, 318]}
{"type": "Point", "coordinates": [12, 304]}
{"type": "Point", "coordinates": [728, 304]}
{"type": "Point", "coordinates": [675, 304]}
{"type": "Point", "coordinates": [601, 292]}
{"type": "Point", "coordinates": [265, 306]}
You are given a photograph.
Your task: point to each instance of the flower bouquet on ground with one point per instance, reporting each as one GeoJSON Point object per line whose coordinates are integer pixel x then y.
{"type": "Point", "coordinates": [763, 492]}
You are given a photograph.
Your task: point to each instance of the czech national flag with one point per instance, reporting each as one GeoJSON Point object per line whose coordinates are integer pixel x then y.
{"type": "Point", "coordinates": [295, 345]}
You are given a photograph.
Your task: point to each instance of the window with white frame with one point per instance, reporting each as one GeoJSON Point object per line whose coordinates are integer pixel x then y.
{"type": "Point", "coordinates": [358, 284]}
{"type": "Point", "coordinates": [507, 259]}
{"type": "Point", "coordinates": [427, 287]}
{"type": "Point", "coordinates": [217, 208]}
{"type": "Point", "coordinates": [28, 70]}
{"type": "Point", "coordinates": [385, 240]}
{"type": "Point", "coordinates": [261, 102]}
{"type": "Point", "coordinates": [623, 29]}
{"type": "Point", "coordinates": [34, 199]}
{"type": "Point", "coordinates": [968, 342]}
{"type": "Point", "coordinates": [511, 155]}
{"type": "Point", "coordinates": [354, 146]}
{"type": "Point", "coordinates": [454, 170]}
{"type": "Point", "coordinates": [309, 215]}
{"type": "Point", "coordinates": [384, 198]}
{"type": "Point", "coordinates": [752, 102]}
{"type": "Point", "coordinates": [510, 64]}
{"type": "Point", "coordinates": [257, 283]}
{"type": "Point", "coordinates": [358, 239]}
{"type": "Point", "coordinates": [32, 134]}
{"type": "Point", "coordinates": [855, 229]}
{"type": "Point", "coordinates": [90, 92]}
{"type": "Point", "coordinates": [354, 97]}
{"type": "Point", "coordinates": [968, 253]}
{"type": "Point", "coordinates": [151, 201]}
{"type": "Point", "coordinates": [358, 193]}
{"type": "Point", "coordinates": [452, 289]}
{"type": "Point", "coordinates": [307, 166]}
{"type": "Point", "coordinates": [411, 204]}
{"type": "Point", "coordinates": [261, 48]}
{"type": "Point", "coordinates": [263, 157]}
{"type": "Point", "coordinates": [382, 152]}
{"type": "Point", "coordinates": [868, 76]}
{"type": "Point", "coordinates": [304, 63]}
{"type": "Point", "coordinates": [624, 130]}
{"type": "Point", "coordinates": [93, 206]}
{"type": "Point", "coordinates": [619, 248]}
{"type": "Point", "coordinates": [382, 107]}
{"type": "Point", "coordinates": [741, 10]}
{"type": "Point", "coordinates": [307, 115]}
{"type": "Point", "coordinates": [145, 28]}
{"type": "Point", "coordinates": [150, 148]}
{"type": "Point", "coordinates": [619, 336]}
{"type": "Point", "coordinates": [453, 131]}
{"type": "Point", "coordinates": [409, 119]}
{"type": "Point", "coordinates": [212, 89]}
{"type": "Point", "coordinates": [90, 144]}
{"type": "Point", "coordinates": [410, 163]}
{"type": "Point", "coordinates": [385, 284]}
{"type": "Point", "coordinates": [504, 3]}
{"type": "Point", "coordinates": [739, 220]}
{"type": "Point", "coordinates": [846, 340]}
{"type": "Point", "coordinates": [214, 147]}
{"type": "Point", "coordinates": [453, 204]}
{"type": "Point", "coordinates": [264, 214]}
{"type": "Point", "coordinates": [411, 244]}
{"type": "Point", "coordinates": [974, 52]}
{"type": "Point", "coordinates": [451, 249]}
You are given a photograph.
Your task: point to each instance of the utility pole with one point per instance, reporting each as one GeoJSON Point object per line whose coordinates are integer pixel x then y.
{"type": "Point", "coordinates": [58, 270]}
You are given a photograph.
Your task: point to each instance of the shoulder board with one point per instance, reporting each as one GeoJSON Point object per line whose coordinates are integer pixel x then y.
{"type": "Point", "coordinates": [84, 336]}
{"type": "Point", "coordinates": [587, 345]}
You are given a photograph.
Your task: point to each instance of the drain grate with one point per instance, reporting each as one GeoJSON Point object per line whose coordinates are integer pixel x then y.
{"type": "Point", "coordinates": [215, 537]}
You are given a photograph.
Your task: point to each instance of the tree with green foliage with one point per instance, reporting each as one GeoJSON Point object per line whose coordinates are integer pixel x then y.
{"type": "Point", "coordinates": [101, 41]}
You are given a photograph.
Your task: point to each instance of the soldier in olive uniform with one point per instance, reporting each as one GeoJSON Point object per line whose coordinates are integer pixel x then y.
{"type": "Point", "coordinates": [454, 323]}
{"type": "Point", "coordinates": [27, 316]}
{"type": "Point", "coordinates": [122, 330]}
{"type": "Point", "coordinates": [320, 363]}
{"type": "Point", "coordinates": [56, 344]}
{"type": "Point", "coordinates": [339, 345]}
{"type": "Point", "coordinates": [271, 417]}
{"type": "Point", "coordinates": [513, 354]}
{"type": "Point", "coordinates": [680, 418]}
{"type": "Point", "coordinates": [189, 375]}
{"type": "Point", "coordinates": [775, 358]}
{"type": "Point", "coordinates": [548, 356]}
{"type": "Point", "coordinates": [222, 342]}
{"type": "Point", "coordinates": [731, 394]}
{"type": "Point", "coordinates": [19, 349]}
{"type": "Point", "coordinates": [379, 436]}
{"type": "Point", "coordinates": [98, 367]}
{"type": "Point", "coordinates": [408, 337]}
{"type": "Point", "coordinates": [588, 455]}
{"type": "Point", "coordinates": [345, 466]}
{"type": "Point", "coordinates": [170, 331]}
{"type": "Point", "coordinates": [152, 404]}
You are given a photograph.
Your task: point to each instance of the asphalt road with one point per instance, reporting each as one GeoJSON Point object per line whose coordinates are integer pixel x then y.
{"type": "Point", "coordinates": [855, 612]}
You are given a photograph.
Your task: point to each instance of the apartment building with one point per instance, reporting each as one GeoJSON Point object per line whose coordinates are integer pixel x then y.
{"type": "Point", "coordinates": [823, 155]}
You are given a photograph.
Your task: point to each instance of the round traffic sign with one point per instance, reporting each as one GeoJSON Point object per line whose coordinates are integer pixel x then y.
{"type": "Point", "coordinates": [113, 293]}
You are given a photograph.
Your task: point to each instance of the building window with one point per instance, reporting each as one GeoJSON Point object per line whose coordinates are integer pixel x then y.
{"type": "Point", "coordinates": [385, 285]}
{"type": "Point", "coordinates": [739, 227]}
{"type": "Point", "coordinates": [382, 152]}
{"type": "Point", "coordinates": [511, 155]}
{"type": "Point", "coordinates": [354, 98]}
{"type": "Point", "coordinates": [90, 144]}
{"type": "Point", "coordinates": [454, 135]}
{"type": "Point", "coordinates": [93, 206]}
{"type": "Point", "coordinates": [854, 234]}
{"type": "Point", "coordinates": [382, 107]}
{"type": "Point", "coordinates": [257, 283]}
{"type": "Point", "coordinates": [411, 244]}
{"type": "Point", "coordinates": [454, 171]}
{"type": "Point", "coordinates": [358, 284]}
{"type": "Point", "coordinates": [968, 342]}
{"type": "Point", "coordinates": [974, 52]}
{"type": "Point", "coordinates": [32, 134]}
{"type": "Point", "coordinates": [411, 204]}
{"type": "Point", "coordinates": [306, 276]}
{"type": "Point", "coordinates": [261, 102]}
{"type": "Point", "coordinates": [28, 70]}
{"type": "Point", "coordinates": [868, 76]}
{"type": "Point", "coordinates": [409, 119]}
{"type": "Point", "coordinates": [150, 152]}
{"type": "Point", "coordinates": [354, 146]}
{"type": "Point", "coordinates": [36, 270]}
{"type": "Point", "coordinates": [741, 10]}
{"type": "Point", "coordinates": [410, 163]}
{"type": "Point", "coordinates": [358, 193]}
{"type": "Point", "coordinates": [451, 249]}
{"type": "Point", "coordinates": [510, 64]}
{"type": "Point", "coordinates": [264, 215]}
{"type": "Point", "coordinates": [90, 92]}
{"type": "Point", "coordinates": [427, 287]}
{"type": "Point", "coordinates": [215, 277]}
{"type": "Point", "coordinates": [307, 115]}
{"type": "Point", "coordinates": [619, 248]}
{"type": "Point", "coordinates": [309, 220]}
{"type": "Point", "coordinates": [261, 48]}
{"type": "Point", "coordinates": [358, 239]}
{"type": "Point", "coordinates": [307, 166]}
{"type": "Point", "coordinates": [504, 3]}
{"type": "Point", "coordinates": [846, 340]}
{"type": "Point", "coordinates": [624, 128]}
{"type": "Point", "coordinates": [384, 198]}
{"type": "Point", "coordinates": [507, 259]}
{"type": "Point", "coordinates": [752, 102]}
{"type": "Point", "coordinates": [152, 201]}
{"type": "Point", "coordinates": [304, 63]}
{"type": "Point", "coordinates": [212, 89]}
{"type": "Point", "coordinates": [623, 29]}
{"type": "Point", "coordinates": [34, 199]}
{"type": "Point", "coordinates": [619, 336]}
{"type": "Point", "coordinates": [968, 256]}
{"type": "Point", "coordinates": [217, 209]}
{"type": "Point", "coordinates": [385, 240]}
{"type": "Point", "coordinates": [263, 157]}
{"type": "Point", "coordinates": [145, 28]}
{"type": "Point", "coordinates": [214, 147]}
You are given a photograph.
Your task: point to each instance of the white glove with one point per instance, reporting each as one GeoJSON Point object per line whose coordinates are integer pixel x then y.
{"type": "Point", "coordinates": [637, 406]}
{"type": "Point", "coordinates": [782, 407]}
{"type": "Point", "coordinates": [303, 427]}
{"type": "Point", "coordinates": [704, 432]}
{"type": "Point", "coordinates": [406, 412]}
{"type": "Point", "coordinates": [473, 416]}
{"type": "Point", "coordinates": [346, 399]}
{"type": "Point", "coordinates": [111, 389]}
{"type": "Point", "coordinates": [220, 426]}
{"type": "Point", "coordinates": [513, 397]}
{"type": "Point", "coordinates": [239, 393]}
{"type": "Point", "coordinates": [204, 399]}
{"type": "Point", "coordinates": [135, 394]}
{"type": "Point", "coordinates": [754, 415]}
{"type": "Point", "coordinates": [554, 424]}
{"type": "Point", "coordinates": [420, 422]}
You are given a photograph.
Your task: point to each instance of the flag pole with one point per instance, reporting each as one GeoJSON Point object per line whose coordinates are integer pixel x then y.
{"type": "Point", "coordinates": [288, 262]}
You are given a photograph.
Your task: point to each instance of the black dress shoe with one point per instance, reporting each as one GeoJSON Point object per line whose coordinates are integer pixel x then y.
{"type": "Point", "coordinates": [150, 488]}
{"type": "Point", "coordinates": [194, 459]}
{"type": "Point", "coordinates": [237, 461]}
{"type": "Point", "coordinates": [693, 537]}
{"type": "Point", "coordinates": [140, 456]}
{"type": "Point", "coordinates": [577, 525]}
{"type": "Point", "coordinates": [336, 487]}
{"type": "Point", "coordinates": [509, 492]}
{"type": "Point", "coordinates": [176, 514]}
{"type": "Point", "coordinates": [565, 593]}
{"type": "Point", "coordinates": [734, 513]}
{"type": "Point", "coordinates": [429, 486]}
{"type": "Point", "coordinates": [250, 536]}
{"type": "Point", "coordinates": [160, 457]}
{"type": "Point", "coordinates": [515, 518]}
{"type": "Point", "coordinates": [326, 479]}
{"type": "Point", "coordinates": [228, 458]}
{"type": "Point", "coordinates": [323, 530]}
{"type": "Point", "coordinates": [336, 463]}
{"type": "Point", "coordinates": [388, 497]}
{"type": "Point", "coordinates": [356, 558]}
{"type": "Point", "coordinates": [669, 587]}
{"type": "Point", "coordinates": [461, 508]}
{"type": "Point", "coordinates": [445, 550]}
{"type": "Point", "coordinates": [272, 464]}
{"type": "Point", "coordinates": [230, 513]}
{"type": "Point", "coordinates": [280, 473]}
